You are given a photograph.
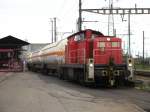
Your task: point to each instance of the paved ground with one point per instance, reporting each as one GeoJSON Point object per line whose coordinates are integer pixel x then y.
{"type": "Point", "coordinates": [33, 92]}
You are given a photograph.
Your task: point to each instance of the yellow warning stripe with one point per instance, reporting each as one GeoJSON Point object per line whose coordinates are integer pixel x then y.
{"type": "Point", "coordinates": [58, 53]}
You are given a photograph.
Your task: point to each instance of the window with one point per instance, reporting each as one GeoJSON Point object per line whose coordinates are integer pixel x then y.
{"type": "Point", "coordinates": [79, 37]}
{"type": "Point", "coordinates": [108, 44]}
{"type": "Point", "coordinates": [82, 36]}
{"type": "Point", "coordinates": [101, 44]}
{"type": "Point", "coordinates": [115, 44]}
{"type": "Point", "coordinates": [76, 38]}
{"type": "Point", "coordinates": [93, 36]}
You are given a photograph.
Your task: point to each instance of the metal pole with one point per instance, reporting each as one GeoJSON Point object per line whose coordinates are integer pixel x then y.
{"type": "Point", "coordinates": [55, 30]}
{"type": "Point", "coordinates": [109, 19]}
{"type": "Point", "coordinates": [80, 17]}
{"type": "Point", "coordinates": [143, 45]}
{"type": "Point", "coordinates": [52, 29]}
{"type": "Point", "coordinates": [108, 23]}
{"type": "Point", "coordinates": [111, 23]}
{"type": "Point", "coordinates": [129, 33]}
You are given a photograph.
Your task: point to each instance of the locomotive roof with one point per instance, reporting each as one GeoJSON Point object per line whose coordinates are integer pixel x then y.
{"type": "Point", "coordinates": [83, 31]}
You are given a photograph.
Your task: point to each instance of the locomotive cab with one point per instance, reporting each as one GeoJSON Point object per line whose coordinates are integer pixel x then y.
{"type": "Point", "coordinates": [100, 57]}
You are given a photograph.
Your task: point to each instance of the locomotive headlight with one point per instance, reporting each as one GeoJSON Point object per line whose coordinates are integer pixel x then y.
{"type": "Point", "coordinates": [91, 65]}
{"type": "Point", "coordinates": [108, 39]}
{"type": "Point", "coordinates": [130, 64]}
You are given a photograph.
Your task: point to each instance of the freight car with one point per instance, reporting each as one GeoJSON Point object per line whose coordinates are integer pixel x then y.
{"type": "Point", "coordinates": [87, 56]}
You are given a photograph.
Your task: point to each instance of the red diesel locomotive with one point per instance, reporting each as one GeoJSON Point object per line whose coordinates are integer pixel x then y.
{"type": "Point", "coordinates": [86, 56]}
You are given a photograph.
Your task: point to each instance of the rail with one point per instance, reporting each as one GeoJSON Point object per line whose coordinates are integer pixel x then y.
{"type": "Point", "coordinates": [140, 72]}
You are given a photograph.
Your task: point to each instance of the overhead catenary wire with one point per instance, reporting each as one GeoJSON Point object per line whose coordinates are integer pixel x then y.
{"type": "Point", "coordinates": [68, 8]}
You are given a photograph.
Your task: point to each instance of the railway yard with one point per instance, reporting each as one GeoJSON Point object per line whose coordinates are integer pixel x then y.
{"type": "Point", "coordinates": [59, 63]}
{"type": "Point", "coordinates": [95, 76]}
{"type": "Point", "coordinates": [34, 92]}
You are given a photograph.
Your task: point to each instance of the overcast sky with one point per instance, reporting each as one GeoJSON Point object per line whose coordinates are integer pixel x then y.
{"type": "Point", "coordinates": [30, 19]}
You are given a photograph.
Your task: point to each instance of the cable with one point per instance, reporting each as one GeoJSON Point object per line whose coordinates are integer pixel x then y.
{"type": "Point", "coordinates": [62, 7]}
{"type": "Point", "coordinates": [70, 9]}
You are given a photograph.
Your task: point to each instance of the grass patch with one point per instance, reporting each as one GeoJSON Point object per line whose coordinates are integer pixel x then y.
{"type": "Point", "coordinates": [143, 86]}
{"type": "Point", "coordinates": [141, 66]}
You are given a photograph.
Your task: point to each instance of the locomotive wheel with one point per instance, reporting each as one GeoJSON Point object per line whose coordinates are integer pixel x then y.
{"type": "Point", "coordinates": [119, 81]}
{"type": "Point", "coordinates": [29, 68]}
{"type": "Point", "coordinates": [63, 74]}
{"type": "Point", "coordinates": [129, 83]}
{"type": "Point", "coordinates": [34, 69]}
{"type": "Point", "coordinates": [60, 74]}
{"type": "Point", "coordinates": [45, 71]}
{"type": "Point", "coordinates": [80, 76]}
{"type": "Point", "coordinates": [102, 81]}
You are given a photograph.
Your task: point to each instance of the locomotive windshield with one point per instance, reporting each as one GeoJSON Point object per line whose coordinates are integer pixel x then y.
{"type": "Point", "coordinates": [79, 37]}
{"type": "Point", "coordinates": [94, 35]}
{"type": "Point", "coordinates": [101, 44]}
{"type": "Point", "coordinates": [108, 44]}
{"type": "Point", "coordinates": [115, 44]}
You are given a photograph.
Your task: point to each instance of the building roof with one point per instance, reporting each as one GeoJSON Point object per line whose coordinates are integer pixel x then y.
{"type": "Point", "coordinates": [12, 42]}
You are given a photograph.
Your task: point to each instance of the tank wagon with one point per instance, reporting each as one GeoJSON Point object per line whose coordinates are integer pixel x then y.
{"type": "Point", "coordinates": [87, 56]}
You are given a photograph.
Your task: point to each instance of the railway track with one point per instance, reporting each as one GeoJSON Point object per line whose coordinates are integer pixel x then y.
{"type": "Point", "coordinates": [76, 92]}
{"type": "Point", "coordinates": [142, 80]}
{"type": "Point", "coordinates": [144, 73]}
{"type": "Point", "coordinates": [66, 91]}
